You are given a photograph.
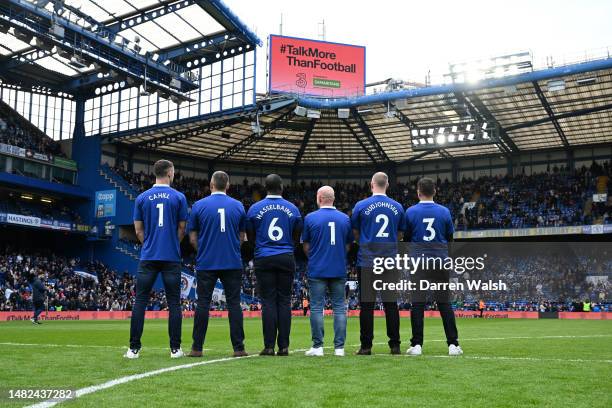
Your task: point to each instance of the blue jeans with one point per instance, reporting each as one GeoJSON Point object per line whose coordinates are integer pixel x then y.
{"type": "Point", "coordinates": [318, 288]}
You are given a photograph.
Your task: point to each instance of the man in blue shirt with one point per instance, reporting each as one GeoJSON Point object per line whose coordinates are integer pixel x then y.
{"type": "Point", "coordinates": [216, 229]}
{"type": "Point", "coordinates": [274, 224]}
{"type": "Point", "coordinates": [326, 237]}
{"type": "Point", "coordinates": [160, 215]}
{"type": "Point", "coordinates": [429, 227]}
{"type": "Point", "coordinates": [377, 223]}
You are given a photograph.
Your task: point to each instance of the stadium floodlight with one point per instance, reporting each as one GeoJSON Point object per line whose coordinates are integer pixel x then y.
{"type": "Point", "coordinates": [441, 131]}
{"type": "Point", "coordinates": [556, 85]}
{"type": "Point", "coordinates": [461, 137]}
{"type": "Point", "coordinates": [485, 135]}
{"type": "Point", "coordinates": [430, 140]}
{"type": "Point", "coordinates": [415, 142]}
{"type": "Point", "coordinates": [313, 114]}
{"type": "Point", "coordinates": [27, 197]}
{"type": "Point", "coordinates": [586, 81]}
{"type": "Point", "coordinates": [451, 138]}
{"type": "Point", "coordinates": [484, 125]}
{"type": "Point", "coordinates": [430, 131]}
{"type": "Point", "coordinates": [454, 129]}
{"type": "Point", "coordinates": [415, 132]}
{"type": "Point", "coordinates": [23, 36]}
{"type": "Point", "coordinates": [78, 62]}
{"type": "Point", "coordinates": [441, 139]}
{"type": "Point", "coordinates": [468, 127]}
{"type": "Point", "coordinates": [343, 113]}
{"type": "Point", "coordinates": [471, 136]}
{"type": "Point", "coordinates": [496, 67]}
{"type": "Point", "coordinates": [300, 110]}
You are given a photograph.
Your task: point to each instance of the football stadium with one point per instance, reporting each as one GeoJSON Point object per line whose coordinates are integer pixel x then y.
{"type": "Point", "coordinates": [208, 203]}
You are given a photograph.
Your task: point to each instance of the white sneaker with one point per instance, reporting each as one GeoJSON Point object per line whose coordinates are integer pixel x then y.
{"type": "Point", "coordinates": [131, 354]}
{"type": "Point", "coordinates": [177, 353]}
{"type": "Point", "coordinates": [415, 350]}
{"type": "Point", "coordinates": [454, 350]}
{"type": "Point", "coordinates": [315, 352]}
{"type": "Point", "coordinates": [339, 352]}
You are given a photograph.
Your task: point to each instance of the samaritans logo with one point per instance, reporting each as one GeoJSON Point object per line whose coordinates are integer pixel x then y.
{"type": "Point", "coordinates": [325, 83]}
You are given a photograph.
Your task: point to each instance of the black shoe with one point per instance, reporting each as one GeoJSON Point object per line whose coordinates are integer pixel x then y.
{"type": "Point", "coordinates": [283, 352]}
{"type": "Point", "coordinates": [240, 353]}
{"type": "Point", "coordinates": [395, 350]}
{"type": "Point", "coordinates": [267, 352]}
{"type": "Point", "coordinates": [364, 352]}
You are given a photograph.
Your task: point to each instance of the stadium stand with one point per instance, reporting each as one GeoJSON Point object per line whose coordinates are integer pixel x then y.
{"type": "Point", "coordinates": [555, 198]}
{"type": "Point", "coordinates": [80, 128]}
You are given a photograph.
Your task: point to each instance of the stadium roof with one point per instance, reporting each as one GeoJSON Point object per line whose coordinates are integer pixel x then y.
{"type": "Point", "coordinates": [532, 110]}
{"type": "Point", "coordinates": [72, 46]}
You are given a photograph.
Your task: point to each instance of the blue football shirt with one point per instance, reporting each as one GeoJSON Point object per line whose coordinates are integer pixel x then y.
{"type": "Point", "coordinates": [378, 219]}
{"type": "Point", "coordinates": [273, 220]}
{"type": "Point", "coordinates": [429, 222]}
{"type": "Point", "coordinates": [161, 208]}
{"type": "Point", "coordinates": [219, 220]}
{"type": "Point", "coordinates": [328, 231]}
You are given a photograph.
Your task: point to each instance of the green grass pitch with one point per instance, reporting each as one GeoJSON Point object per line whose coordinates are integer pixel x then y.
{"type": "Point", "coordinates": [507, 363]}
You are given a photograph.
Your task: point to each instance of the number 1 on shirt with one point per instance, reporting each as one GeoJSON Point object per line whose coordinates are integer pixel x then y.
{"type": "Point", "coordinates": [160, 218]}
{"type": "Point", "coordinates": [221, 212]}
{"type": "Point", "coordinates": [332, 232]}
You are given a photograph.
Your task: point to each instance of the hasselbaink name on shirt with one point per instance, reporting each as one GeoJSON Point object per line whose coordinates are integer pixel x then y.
{"type": "Point", "coordinates": [273, 207]}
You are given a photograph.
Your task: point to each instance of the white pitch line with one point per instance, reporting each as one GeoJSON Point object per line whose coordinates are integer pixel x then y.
{"type": "Point", "coordinates": [80, 346]}
{"type": "Point", "coordinates": [505, 358]}
{"type": "Point", "coordinates": [122, 380]}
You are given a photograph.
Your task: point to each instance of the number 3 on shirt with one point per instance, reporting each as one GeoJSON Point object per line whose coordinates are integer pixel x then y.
{"type": "Point", "coordinates": [429, 228]}
{"type": "Point", "coordinates": [160, 217]}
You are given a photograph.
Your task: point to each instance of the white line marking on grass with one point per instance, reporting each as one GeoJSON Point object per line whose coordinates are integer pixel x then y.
{"type": "Point", "coordinates": [81, 346]}
{"type": "Point", "coordinates": [134, 377]}
{"type": "Point", "coordinates": [122, 380]}
{"type": "Point", "coordinates": [517, 338]}
{"type": "Point", "coordinates": [505, 358]}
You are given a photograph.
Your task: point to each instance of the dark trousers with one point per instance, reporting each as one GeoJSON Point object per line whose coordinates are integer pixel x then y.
{"type": "Point", "coordinates": [442, 299]}
{"type": "Point", "coordinates": [39, 306]}
{"type": "Point", "coordinates": [417, 315]}
{"type": "Point", "coordinates": [366, 319]}
{"type": "Point", "coordinates": [171, 276]}
{"type": "Point", "coordinates": [275, 282]}
{"type": "Point", "coordinates": [366, 323]}
{"type": "Point", "coordinates": [231, 280]}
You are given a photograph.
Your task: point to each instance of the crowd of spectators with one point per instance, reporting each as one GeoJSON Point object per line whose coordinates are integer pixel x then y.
{"type": "Point", "coordinates": [535, 284]}
{"type": "Point", "coordinates": [67, 289]}
{"type": "Point", "coordinates": [15, 131]}
{"type": "Point", "coordinates": [554, 198]}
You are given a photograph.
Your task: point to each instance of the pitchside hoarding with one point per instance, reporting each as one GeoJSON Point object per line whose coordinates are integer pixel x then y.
{"type": "Point", "coordinates": [316, 68]}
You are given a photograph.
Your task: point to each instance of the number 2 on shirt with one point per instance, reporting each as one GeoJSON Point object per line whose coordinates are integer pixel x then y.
{"type": "Point", "coordinates": [221, 212]}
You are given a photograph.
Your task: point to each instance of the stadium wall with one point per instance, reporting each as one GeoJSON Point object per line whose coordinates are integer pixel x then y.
{"type": "Point", "coordinates": [123, 315]}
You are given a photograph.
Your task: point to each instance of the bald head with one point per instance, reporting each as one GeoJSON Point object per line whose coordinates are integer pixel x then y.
{"type": "Point", "coordinates": [325, 196]}
{"type": "Point", "coordinates": [380, 182]}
